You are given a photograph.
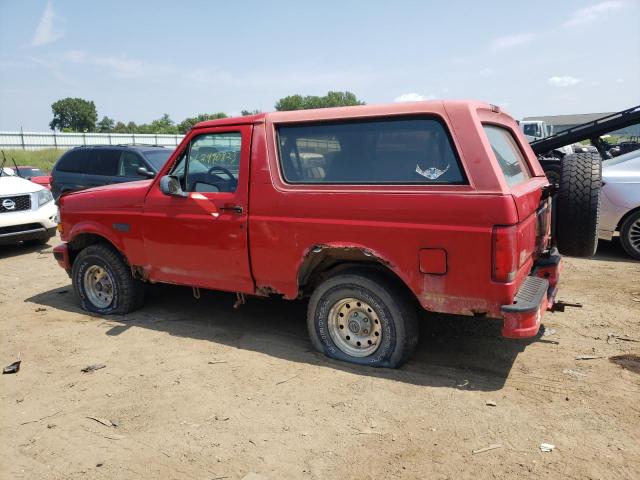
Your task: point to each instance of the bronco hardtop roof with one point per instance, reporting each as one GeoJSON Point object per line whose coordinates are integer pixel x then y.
{"type": "Point", "coordinates": [320, 114]}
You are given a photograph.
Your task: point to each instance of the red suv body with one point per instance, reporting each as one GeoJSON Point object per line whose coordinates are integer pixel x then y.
{"type": "Point", "coordinates": [439, 204]}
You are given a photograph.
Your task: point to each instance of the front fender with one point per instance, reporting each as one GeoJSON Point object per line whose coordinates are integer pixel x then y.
{"type": "Point", "coordinates": [94, 228]}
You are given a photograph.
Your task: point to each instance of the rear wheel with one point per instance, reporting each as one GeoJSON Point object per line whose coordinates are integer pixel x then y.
{"type": "Point", "coordinates": [103, 281]}
{"type": "Point", "coordinates": [361, 317]}
{"type": "Point", "coordinates": [630, 235]}
{"type": "Point", "coordinates": [578, 204]}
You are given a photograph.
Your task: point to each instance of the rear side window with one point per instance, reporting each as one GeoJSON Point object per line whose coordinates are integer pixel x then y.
{"type": "Point", "coordinates": [74, 161]}
{"type": "Point", "coordinates": [389, 151]}
{"type": "Point", "coordinates": [104, 162]}
{"type": "Point", "coordinates": [510, 158]}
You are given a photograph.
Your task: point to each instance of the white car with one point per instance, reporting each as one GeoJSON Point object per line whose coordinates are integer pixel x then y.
{"type": "Point", "coordinates": [620, 209]}
{"type": "Point", "coordinates": [27, 211]}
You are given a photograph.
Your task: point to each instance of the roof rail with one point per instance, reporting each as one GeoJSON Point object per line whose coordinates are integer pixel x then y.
{"type": "Point", "coordinates": [138, 145]}
{"type": "Point", "coordinates": [120, 145]}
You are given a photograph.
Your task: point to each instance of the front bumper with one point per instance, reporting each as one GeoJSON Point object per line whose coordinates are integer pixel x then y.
{"type": "Point", "coordinates": [536, 295]}
{"type": "Point", "coordinates": [61, 254]}
{"type": "Point", "coordinates": [46, 215]}
{"type": "Point", "coordinates": [32, 232]}
{"type": "Point", "coordinates": [34, 224]}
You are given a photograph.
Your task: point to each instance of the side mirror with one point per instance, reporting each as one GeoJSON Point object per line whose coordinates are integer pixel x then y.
{"type": "Point", "coordinates": [170, 185]}
{"type": "Point", "coordinates": [146, 173]}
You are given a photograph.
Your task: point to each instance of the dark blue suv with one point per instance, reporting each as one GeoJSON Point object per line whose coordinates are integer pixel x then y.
{"type": "Point", "coordinates": [94, 166]}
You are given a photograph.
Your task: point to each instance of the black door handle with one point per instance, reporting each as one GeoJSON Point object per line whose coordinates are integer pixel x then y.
{"type": "Point", "coordinates": [232, 208]}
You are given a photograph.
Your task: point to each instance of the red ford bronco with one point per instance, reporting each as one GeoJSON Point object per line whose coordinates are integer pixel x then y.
{"type": "Point", "coordinates": [371, 211]}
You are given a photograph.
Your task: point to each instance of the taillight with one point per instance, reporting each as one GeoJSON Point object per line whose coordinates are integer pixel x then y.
{"type": "Point", "coordinates": [505, 253]}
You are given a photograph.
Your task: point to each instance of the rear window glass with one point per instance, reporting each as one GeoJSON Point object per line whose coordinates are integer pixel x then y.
{"type": "Point", "coordinates": [389, 151]}
{"type": "Point", "coordinates": [74, 161]}
{"type": "Point", "coordinates": [510, 158]}
{"type": "Point", "coordinates": [104, 162]}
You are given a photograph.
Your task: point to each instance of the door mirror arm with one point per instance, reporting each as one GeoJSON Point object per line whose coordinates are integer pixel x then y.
{"type": "Point", "coordinates": [170, 185]}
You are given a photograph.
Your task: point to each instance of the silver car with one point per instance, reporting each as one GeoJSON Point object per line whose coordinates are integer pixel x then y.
{"type": "Point", "coordinates": [620, 211]}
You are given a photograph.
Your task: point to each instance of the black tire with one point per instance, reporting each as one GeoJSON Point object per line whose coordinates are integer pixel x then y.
{"type": "Point", "coordinates": [394, 308]}
{"type": "Point", "coordinates": [630, 235]}
{"type": "Point", "coordinates": [578, 204]}
{"type": "Point", "coordinates": [128, 292]}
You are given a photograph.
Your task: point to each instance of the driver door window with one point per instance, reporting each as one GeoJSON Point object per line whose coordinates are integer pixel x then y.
{"type": "Point", "coordinates": [211, 163]}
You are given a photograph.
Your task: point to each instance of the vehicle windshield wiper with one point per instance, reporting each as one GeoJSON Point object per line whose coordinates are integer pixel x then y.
{"type": "Point", "coordinates": [4, 160]}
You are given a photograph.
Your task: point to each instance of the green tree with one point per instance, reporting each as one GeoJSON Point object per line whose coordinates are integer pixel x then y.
{"type": "Point", "coordinates": [246, 113]}
{"type": "Point", "coordinates": [119, 127]}
{"type": "Point", "coordinates": [163, 124]}
{"type": "Point", "coordinates": [188, 123]}
{"type": "Point", "coordinates": [106, 125]}
{"type": "Point", "coordinates": [76, 114]}
{"type": "Point", "coordinates": [331, 99]}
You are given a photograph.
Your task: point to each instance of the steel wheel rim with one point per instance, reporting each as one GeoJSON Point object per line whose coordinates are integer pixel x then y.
{"type": "Point", "coordinates": [634, 235]}
{"type": "Point", "coordinates": [355, 327]}
{"type": "Point", "coordinates": [98, 286]}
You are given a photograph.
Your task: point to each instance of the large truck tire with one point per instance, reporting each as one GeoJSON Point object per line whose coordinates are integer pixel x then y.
{"type": "Point", "coordinates": [578, 204]}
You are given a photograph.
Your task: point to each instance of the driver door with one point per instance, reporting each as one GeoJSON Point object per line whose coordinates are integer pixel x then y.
{"type": "Point", "coordinates": [199, 237]}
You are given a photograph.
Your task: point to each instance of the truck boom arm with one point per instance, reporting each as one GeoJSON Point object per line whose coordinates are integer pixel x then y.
{"type": "Point", "coordinates": [589, 131]}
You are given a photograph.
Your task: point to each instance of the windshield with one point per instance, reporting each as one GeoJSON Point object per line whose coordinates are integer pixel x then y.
{"type": "Point", "coordinates": [157, 158]}
{"type": "Point", "coordinates": [622, 158]}
{"type": "Point", "coordinates": [531, 129]}
{"type": "Point", "coordinates": [30, 172]}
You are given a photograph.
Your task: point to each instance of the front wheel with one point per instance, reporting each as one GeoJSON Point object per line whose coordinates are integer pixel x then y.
{"type": "Point", "coordinates": [630, 235]}
{"type": "Point", "coordinates": [361, 317]}
{"type": "Point", "coordinates": [103, 281]}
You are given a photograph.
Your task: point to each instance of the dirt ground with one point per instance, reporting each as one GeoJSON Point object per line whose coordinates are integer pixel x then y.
{"type": "Point", "coordinates": [198, 390]}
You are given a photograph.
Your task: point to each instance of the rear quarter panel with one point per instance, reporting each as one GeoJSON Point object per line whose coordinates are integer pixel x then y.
{"type": "Point", "coordinates": [393, 222]}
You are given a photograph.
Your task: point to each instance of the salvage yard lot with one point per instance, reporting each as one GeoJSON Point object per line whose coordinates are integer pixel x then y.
{"type": "Point", "coordinates": [198, 390]}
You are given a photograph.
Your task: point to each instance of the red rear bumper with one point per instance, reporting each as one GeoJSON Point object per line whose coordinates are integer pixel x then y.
{"type": "Point", "coordinates": [536, 295]}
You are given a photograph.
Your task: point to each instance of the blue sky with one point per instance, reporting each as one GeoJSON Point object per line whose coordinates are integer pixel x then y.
{"type": "Point", "coordinates": [138, 60]}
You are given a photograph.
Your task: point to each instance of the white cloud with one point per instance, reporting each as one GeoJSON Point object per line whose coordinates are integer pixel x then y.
{"type": "Point", "coordinates": [413, 97]}
{"type": "Point", "coordinates": [118, 66]}
{"type": "Point", "coordinates": [563, 81]}
{"type": "Point", "coordinates": [54, 69]}
{"type": "Point", "coordinates": [592, 13]}
{"type": "Point", "coordinates": [509, 41]}
{"type": "Point", "coordinates": [46, 31]}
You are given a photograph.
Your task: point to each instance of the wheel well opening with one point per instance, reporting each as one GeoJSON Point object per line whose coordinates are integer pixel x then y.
{"type": "Point", "coordinates": [625, 216]}
{"type": "Point", "coordinates": [322, 263]}
{"type": "Point", "coordinates": [82, 241]}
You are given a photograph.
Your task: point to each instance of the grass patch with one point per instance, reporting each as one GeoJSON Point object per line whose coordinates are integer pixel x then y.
{"type": "Point", "coordinates": [43, 159]}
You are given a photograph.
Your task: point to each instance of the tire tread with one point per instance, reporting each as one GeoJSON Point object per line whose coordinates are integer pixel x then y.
{"type": "Point", "coordinates": [578, 201]}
